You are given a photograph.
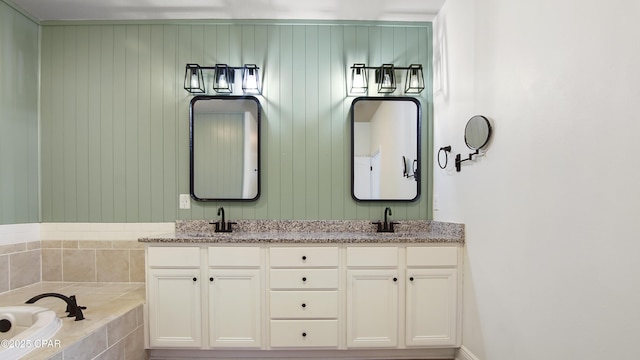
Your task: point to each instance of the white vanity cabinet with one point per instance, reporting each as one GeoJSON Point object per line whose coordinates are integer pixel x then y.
{"type": "Point", "coordinates": [372, 297]}
{"type": "Point", "coordinates": [432, 296]}
{"type": "Point", "coordinates": [340, 299]}
{"type": "Point", "coordinates": [174, 297]}
{"type": "Point", "coordinates": [235, 297]}
{"type": "Point", "coordinates": [303, 297]}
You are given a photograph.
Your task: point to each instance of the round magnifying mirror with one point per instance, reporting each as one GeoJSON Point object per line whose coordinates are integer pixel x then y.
{"type": "Point", "coordinates": [477, 132]}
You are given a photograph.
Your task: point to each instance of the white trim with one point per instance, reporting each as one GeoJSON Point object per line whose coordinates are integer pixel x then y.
{"type": "Point", "coordinates": [464, 354]}
{"type": "Point", "coordinates": [103, 231]}
{"type": "Point", "coordinates": [19, 233]}
{"type": "Point", "coordinates": [22, 233]}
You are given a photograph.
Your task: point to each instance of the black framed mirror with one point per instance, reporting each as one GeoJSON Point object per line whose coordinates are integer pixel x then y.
{"type": "Point", "coordinates": [385, 148]}
{"type": "Point", "coordinates": [224, 148]}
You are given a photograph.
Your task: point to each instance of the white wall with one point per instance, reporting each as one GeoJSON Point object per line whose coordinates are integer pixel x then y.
{"type": "Point", "coordinates": [552, 212]}
{"type": "Point", "coordinates": [395, 139]}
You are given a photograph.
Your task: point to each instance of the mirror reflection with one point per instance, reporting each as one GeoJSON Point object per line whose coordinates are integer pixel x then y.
{"type": "Point", "coordinates": [477, 132]}
{"type": "Point", "coordinates": [224, 147]}
{"type": "Point", "coordinates": [385, 148]}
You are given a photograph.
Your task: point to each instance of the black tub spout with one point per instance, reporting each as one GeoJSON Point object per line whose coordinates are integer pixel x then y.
{"type": "Point", "coordinates": [72, 306]}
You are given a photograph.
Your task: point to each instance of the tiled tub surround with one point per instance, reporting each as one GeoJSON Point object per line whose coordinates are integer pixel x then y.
{"type": "Point", "coordinates": [19, 265]}
{"type": "Point", "coordinates": [113, 325]}
{"type": "Point", "coordinates": [95, 252]}
{"type": "Point", "coordinates": [19, 256]}
{"type": "Point", "coordinates": [318, 231]}
{"type": "Point", "coordinates": [92, 261]}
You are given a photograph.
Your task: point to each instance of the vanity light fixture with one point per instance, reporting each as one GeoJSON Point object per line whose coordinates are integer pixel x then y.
{"type": "Point", "coordinates": [223, 78]}
{"type": "Point", "coordinates": [386, 78]}
{"type": "Point", "coordinates": [414, 83]}
{"type": "Point", "coordinates": [250, 79]}
{"type": "Point", "coordinates": [359, 81]}
{"type": "Point", "coordinates": [193, 79]}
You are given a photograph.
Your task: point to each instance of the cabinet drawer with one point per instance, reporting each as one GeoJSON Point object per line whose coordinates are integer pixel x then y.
{"type": "Point", "coordinates": [304, 279]}
{"type": "Point", "coordinates": [173, 256]}
{"type": "Point", "coordinates": [372, 256]}
{"type": "Point", "coordinates": [304, 257]}
{"type": "Point", "coordinates": [432, 256]}
{"type": "Point", "coordinates": [304, 304]}
{"type": "Point", "coordinates": [304, 333]}
{"type": "Point", "coordinates": [234, 256]}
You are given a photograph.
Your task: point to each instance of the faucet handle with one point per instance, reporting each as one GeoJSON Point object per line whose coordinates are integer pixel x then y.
{"type": "Point", "coordinates": [391, 224]}
{"type": "Point", "coordinates": [79, 315]}
{"type": "Point", "coordinates": [229, 223]}
{"type": "Point", "coordinates": [74, 309]}
{"type": "Point", "coordinates": [379, 227]}
{"type": "Point", "coordinates": [72, 305]}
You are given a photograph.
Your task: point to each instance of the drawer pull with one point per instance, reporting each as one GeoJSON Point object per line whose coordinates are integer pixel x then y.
{"type": "Point", "coordinates": [304, 258]}
{"type": "Point", "coordinates": [304, 334]}
{"type": "Point", "coordinates": [411, 278]}
{"type": "Point", "coordinates": [304, 305]}
{"type": "Point", "coordinates": [304, 279]}
{"type": "Point", "coordinates": [210, 279]}
{"type": "Point", "coordinates": [395, 279]}
{"type": "Point", "coordinates": [195, 279]}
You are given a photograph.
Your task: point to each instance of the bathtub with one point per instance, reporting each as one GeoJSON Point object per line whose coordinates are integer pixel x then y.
{"type": "Point", "coordinates": [26, 328]}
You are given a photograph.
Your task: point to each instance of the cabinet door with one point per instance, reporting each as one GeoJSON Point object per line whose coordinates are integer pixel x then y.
{"type": "Point", "coordinates": [234, 308]}
{"type": "Point", "coordinates": [431, 307]}
{"type": "Point", "coordinates": [372, 308]}
{"type": "Point", "coordinates": [174, 308]}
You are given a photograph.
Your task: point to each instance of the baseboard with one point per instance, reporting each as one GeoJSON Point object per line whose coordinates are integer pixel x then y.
{"type": "Point", "coordinates": [293, 354]}
{"type": "Point", "coordinates": [464, 354]}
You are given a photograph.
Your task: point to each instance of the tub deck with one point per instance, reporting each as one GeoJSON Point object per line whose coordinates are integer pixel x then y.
{"type": "Point", "coordinates": [113, 319]}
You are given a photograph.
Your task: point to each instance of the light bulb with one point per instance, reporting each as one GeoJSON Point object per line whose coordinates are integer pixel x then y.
{"type": "Point", "coordinates": [222, 81]}
{"type": "Point", "coordinates": [195, 81]}
{"type": "Point", "coordinates": [252, 82]}
{"type": "Point", "coordinates": [386, 81]}
{"type": "Point", "coordinates": [358, 80]}
{"type": "Point", "coordinates": [415, 82]}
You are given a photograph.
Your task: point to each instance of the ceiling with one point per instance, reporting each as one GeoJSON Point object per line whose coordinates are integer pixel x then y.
{"type": "Point", "coordinates": [370, 10]}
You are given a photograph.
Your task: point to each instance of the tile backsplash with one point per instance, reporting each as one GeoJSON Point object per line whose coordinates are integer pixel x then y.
{"type": "Point", "coordinates": [19, 265]}
{"type": "Point", "coordinates": [92, 261]}
{"type": "Point", "coordinates": [76, 252]}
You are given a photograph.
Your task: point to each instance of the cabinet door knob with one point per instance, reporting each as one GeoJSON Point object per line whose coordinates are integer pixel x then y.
{"type": "Point", "coordinates": [395, 279]}
{"type": "Point", "coordinates": [210, 279]}
{"type": "Point", "coordinates": [411, 278]}
{"type": "Point", "coordinates": [304, 334]}
{"type": "Point", "coordinates": [304, 258]}
{"type": "Point", "coordinates": [195, 279]}
{"type": "Point", "coordinates": [304, 279]}
{"type": "Point", "coordinates": [304, 305]}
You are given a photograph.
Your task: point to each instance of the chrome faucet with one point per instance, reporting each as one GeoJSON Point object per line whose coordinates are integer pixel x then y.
{"type": "Point", "coordinates": [72, 306]}
{"type": "Point", "coordinates": [385, 226]}
{"type": "Point", "coordinates": [221, 225]}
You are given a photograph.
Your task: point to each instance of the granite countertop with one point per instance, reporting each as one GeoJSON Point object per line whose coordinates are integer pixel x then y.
{"type": "Point", "coordinates": [312, 231]}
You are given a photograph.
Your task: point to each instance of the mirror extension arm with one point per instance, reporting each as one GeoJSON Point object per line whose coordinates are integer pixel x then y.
{"type": "Point", "coordinates": [459, 161]}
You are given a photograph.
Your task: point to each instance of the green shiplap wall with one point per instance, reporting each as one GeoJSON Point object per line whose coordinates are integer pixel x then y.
{"type": "Point", "coordinates": [115, 144]}
{"type": "Point", "coordinates": [19, 199]}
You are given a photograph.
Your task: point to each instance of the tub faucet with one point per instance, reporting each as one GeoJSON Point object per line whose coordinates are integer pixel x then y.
{"type": "Point", "coordinates": [221, 225]}
{"type": "Point", "coordinates": [385, 226]}
{"type": "Point", "coordinates": [72, 306]}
